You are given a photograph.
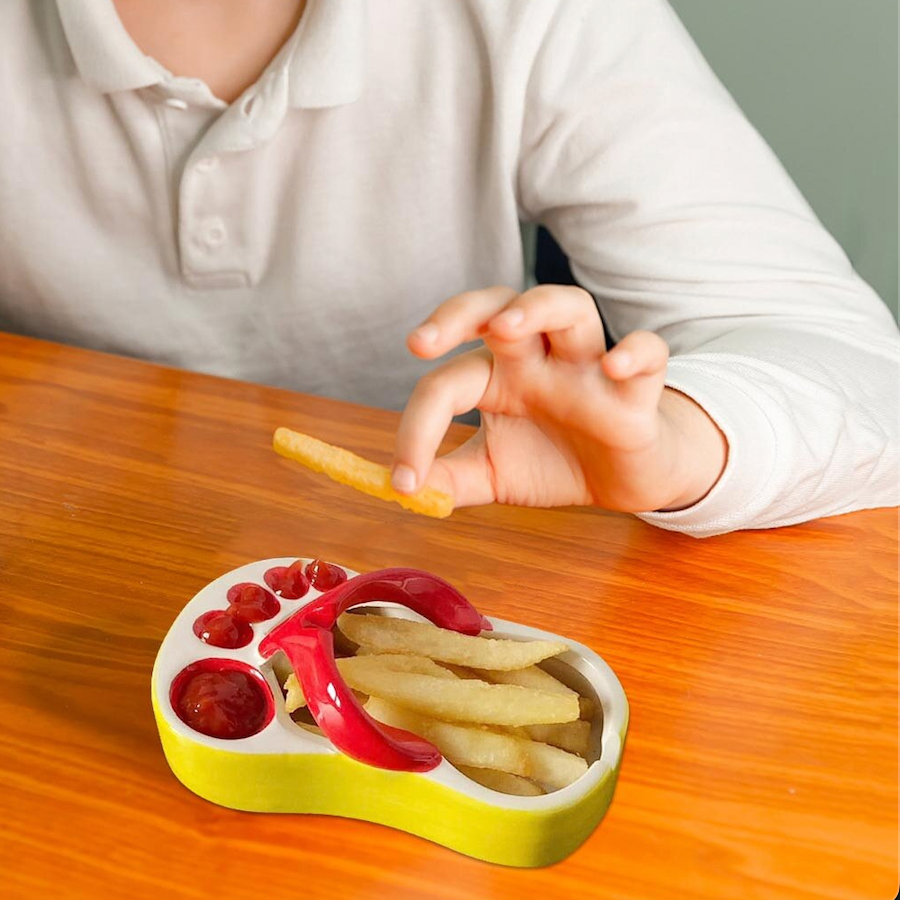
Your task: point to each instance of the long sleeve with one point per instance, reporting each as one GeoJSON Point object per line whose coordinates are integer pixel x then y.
{"type": "Point", "coordinates": [680, 220]}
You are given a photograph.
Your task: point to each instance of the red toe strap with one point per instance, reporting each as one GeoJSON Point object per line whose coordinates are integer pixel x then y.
{"type": "Point", "coordinates": [307, 641]}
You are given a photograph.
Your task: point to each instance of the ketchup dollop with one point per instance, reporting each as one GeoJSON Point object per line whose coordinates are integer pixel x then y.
{"type": "Point", "coordinates": [220, 629]}
{"type": "Point", "coordinates": [289, 581]}
{"type": "Point", "coordinates": [324, 576]}
{"type": "Point", "coordinates": [249, 602]}
{"type": "Point", "coordinates": [221, 701]}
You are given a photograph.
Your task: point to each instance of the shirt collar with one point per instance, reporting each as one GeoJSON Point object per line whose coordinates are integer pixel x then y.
{"type": "Point", "coordinates": [324, 58]}
{"type": "Point", "coordinates": [106, 56]}
{"type": "Point", "coordinates": [327, 62]}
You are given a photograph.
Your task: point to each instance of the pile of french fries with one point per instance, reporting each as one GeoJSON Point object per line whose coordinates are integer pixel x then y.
{"type": "Point", "coordinates": [483, 702]}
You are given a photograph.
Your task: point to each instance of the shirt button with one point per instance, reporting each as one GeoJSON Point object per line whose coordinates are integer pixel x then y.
{"type": "Point", "coordinates": [207, 164]}
{"type": "Point", "coordinates": [214, 233]}
{"type": "Point", "coordinates": [175, 103]}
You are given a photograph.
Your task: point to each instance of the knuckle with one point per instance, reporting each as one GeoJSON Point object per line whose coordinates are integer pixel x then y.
{"type": "Point", "coordinates": [651, 345]}
{"type": "Point", "coordinates": [586, 298]}
{"type": "Point", "coordinates": [656, 343]}
{"type": "Point", "coordinates": [431, 383]}
{"type": "Point", "coordinates": [435, 389]}
{"type": "Point", "coordinates": [541, 292]}
{"type": "Point", "coordinates": [475, 299]}
{"type": "Point", "coordinates": [454, 306]}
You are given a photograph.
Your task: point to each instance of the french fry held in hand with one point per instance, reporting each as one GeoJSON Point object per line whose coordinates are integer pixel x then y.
{"type": "Point", "coordinates": [362, 474]}
{"type": "Point", "coordinates": [390, 635]}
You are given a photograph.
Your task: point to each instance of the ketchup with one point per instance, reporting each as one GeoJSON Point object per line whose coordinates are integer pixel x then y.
{"type": "Point", "coordinates": [230, 628]}
{"type": "Point", "coordinates": [222, 699]}
{"type": "Point", "coordinates": [324, 576]}
{"type": "Point", "coordinates": [251, 603]}
{"type": "Point", "coordinates": [289, 581]}
{"type": "Point", "coordinates": [220, 629]}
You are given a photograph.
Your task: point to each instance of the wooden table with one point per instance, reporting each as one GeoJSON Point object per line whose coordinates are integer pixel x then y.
{"type": "Point", "coordinates": [761, 667]}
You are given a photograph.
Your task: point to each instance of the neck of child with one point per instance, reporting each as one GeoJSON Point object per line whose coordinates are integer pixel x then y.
{"type": "Point", "coordinates": [225, 43]}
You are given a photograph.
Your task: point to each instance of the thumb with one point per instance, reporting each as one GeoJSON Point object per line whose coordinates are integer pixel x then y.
{"type": "Point", "coordinates": [465, 473]}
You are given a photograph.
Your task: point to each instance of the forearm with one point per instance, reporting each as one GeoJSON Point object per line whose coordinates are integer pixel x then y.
{"type": "Point", "coordinates": [689, 228]}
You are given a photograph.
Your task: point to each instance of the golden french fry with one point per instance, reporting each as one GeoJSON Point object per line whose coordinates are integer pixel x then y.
{"type": "Point", "coordinates": [535, 677]}
{"type": "Point", "coordinates": [482, 701]}
{"type": "Point", "coordinates": [281, 667]}
{"type": "Point", "coordinates": [461, 744]}
{"type": "Point", "coordinates": [502, 781]}
{"type": "Point", "coordinates": [312, 729]}
{"type": "Point", "coordinates": [391, 635]}
{"type": "Point", "coordinates": [393, 662]}
{"type": "Point", "coordinates": [458, 700]}
{"type": "Point", "coordinates": [343, 646]}
{"type": "Point", "coordinates": [294, 697]}
{"type": "Point", "coordinates": [531, 676]}
{"type": "Point", "coordinates": [571, 736]}
{"type": "Point", "coordinates": [366, 476]}
{"type": "Point", "coordinates": [459, 671]}
{"type": "Point", "coordinates": [467, 745]}
{"type": "Point", "coordinates": [552, 766]}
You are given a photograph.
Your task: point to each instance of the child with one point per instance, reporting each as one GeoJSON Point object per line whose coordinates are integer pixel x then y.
{"type": "Point", "coordinates": [280, 192]}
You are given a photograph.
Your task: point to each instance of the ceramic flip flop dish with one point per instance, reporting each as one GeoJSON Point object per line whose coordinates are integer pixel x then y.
{"type": "Point", "coordinates": [218, 691]}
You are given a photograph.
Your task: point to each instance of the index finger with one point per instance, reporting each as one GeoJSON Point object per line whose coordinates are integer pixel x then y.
{"type": "Point", "coordinates": [567, 315]}
{"type": "Point", "coordinates": [460, 319]}
{"type": "Point", "coordinates": [453, 388]}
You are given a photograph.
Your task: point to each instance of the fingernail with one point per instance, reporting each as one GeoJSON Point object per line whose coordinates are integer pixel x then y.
{"type": "Point", "coordinates": [512, 318]}
{"type": "Point", "coordinates": [403, 479]}
{"type": "Point", "coordinates": [427, 333]}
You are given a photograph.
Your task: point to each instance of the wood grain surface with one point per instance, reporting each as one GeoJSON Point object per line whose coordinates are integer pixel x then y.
{"type": "Point", "coordinates": [761, 668]}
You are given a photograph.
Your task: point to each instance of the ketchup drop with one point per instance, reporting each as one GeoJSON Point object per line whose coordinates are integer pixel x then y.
{"type": "Point", "coordinates": [220, 629]}
{"type": "Point", "coordinates": [228, 704]}
{"type": "Point", "coordinates": [251, 603]}
{"type": "Point", "coordinates": [324, 576]}
{"type": "Point", "coordinates": [289, 581]}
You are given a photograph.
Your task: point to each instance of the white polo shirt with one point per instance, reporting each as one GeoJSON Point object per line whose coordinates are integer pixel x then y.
{"type": "Point", "coordinates": [384, 161]}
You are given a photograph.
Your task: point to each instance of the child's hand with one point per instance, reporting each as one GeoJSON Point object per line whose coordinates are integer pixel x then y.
{"type": "Point", "coordinates": [563, 421]}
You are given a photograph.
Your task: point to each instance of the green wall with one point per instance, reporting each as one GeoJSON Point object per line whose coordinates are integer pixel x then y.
{"type": "Point", "coordinates": [818, 78]}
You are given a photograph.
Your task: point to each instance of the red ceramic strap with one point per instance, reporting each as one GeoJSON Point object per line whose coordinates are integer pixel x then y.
{"type": "Point", "coordinates": [307, 641]}
{"type": "Point", "coordinates": [422, 592]}
{"type": "Point", "coordinates": [338, 713]}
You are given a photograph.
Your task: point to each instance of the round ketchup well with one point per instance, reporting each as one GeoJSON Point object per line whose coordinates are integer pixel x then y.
{"type": "Point", "coordinates": [249, 602]}
{"type": "Point", "coordinates": [219, 628]}
{"type": "Point", "coordinates": [222, 698]}
{"type": "Point", "coordinates": [289, 581]}
{"type": "Point", "coordinates": [324, 576]}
